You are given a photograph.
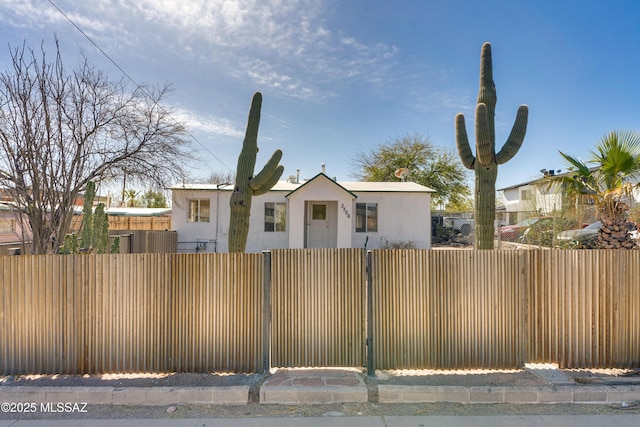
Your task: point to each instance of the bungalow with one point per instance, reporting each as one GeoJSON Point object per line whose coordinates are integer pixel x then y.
{"type": "Point", "coordinates": [317, 213]}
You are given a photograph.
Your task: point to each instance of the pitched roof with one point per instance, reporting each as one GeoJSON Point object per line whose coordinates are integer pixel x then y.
{"type": "Point", "coordinates": [359, 187]}
{"type": "Point", "coordinates": [326, 178]}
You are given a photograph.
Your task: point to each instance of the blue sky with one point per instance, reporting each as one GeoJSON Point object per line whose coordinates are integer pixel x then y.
{"type": "Point", "coordinates": [341, 76]}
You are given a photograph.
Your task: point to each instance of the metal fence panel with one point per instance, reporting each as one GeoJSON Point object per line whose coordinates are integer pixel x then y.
{"type": "Point", "coordinates": [318, 303]}
{"type": "Point", "coordinates": [33, 315]}
{"type": "Point", "coordinates": [217, 312]}
{"type": "Point", "coordinates": [448, 309]}
{"type": "Point", "coordinates": [585, 308]}
{"type": "Point", "coordinates": [130, 313]}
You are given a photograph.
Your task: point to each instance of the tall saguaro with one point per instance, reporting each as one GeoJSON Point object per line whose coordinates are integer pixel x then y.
{"type": "Point", "coordinates": [247, 185]}
{"type": "Point", "coordinates": [485, 163]}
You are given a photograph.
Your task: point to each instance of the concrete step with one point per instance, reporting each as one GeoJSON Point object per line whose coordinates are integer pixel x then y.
{"type": "Point", "coordinates": [313, 386]}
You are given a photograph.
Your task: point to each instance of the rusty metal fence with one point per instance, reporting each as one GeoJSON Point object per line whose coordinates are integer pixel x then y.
{"type": "Point", "coordinates": [394, 309]}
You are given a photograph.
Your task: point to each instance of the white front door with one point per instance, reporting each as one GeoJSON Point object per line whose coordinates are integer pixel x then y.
{"type": "Point", "coordinates": [317, 225]}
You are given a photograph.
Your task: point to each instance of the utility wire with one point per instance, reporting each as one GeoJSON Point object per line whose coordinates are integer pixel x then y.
{"type": "Point", "coordinates": [132, 80]}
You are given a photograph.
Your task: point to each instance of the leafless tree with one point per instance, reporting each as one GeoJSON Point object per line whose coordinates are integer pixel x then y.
{"type": "Point", "coordinates": [60, 130]}
{"type": "Point", "coordinates": [218, 177]}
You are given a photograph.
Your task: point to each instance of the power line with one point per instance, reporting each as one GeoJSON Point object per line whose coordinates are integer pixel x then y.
{"type": "Point", "coordinates": [132, 80]}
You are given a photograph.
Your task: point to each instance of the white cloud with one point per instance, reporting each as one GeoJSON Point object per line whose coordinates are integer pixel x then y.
{"type": "Point", "coordinates": [215, 125]}
{"type": "Point", "coordinates": [286, 45]}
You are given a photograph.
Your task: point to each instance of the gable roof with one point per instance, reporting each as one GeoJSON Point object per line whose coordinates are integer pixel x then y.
{"type": "Point", "coordinates": [322, 176]}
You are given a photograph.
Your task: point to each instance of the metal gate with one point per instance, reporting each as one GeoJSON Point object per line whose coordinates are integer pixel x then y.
{"type": "Point", "coordinates": [318, 308]}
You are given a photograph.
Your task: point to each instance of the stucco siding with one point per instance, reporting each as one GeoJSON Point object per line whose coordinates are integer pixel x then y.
{"type": "Point", "coordinates": [402, 217]}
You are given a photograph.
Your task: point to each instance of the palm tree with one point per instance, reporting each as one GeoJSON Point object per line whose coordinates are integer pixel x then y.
{"type": "Point", "coordinates": [606, 177]}
{"type": "Point", "coordinates": [130, 196]}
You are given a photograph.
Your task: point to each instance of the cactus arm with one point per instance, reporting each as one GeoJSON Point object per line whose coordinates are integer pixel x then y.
{"type": "Point", "coordinates": [516, 138]}
{"type": "Point", "coordinates": [272, 180]}
{"type": "Point", "coordinates": [484, 144]}
{"type": "Point", "coordinates": [266, 173]}
{"type": "Point", "coordinates": [462, 141]}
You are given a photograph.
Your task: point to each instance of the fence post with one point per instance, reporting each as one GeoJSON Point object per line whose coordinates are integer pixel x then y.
{"type": "Point", "coordinates": [266, 312]}
{"type": "Point", "coordinates": [371, 367]}
{"type": "Point", "coordinates": [524, 288]}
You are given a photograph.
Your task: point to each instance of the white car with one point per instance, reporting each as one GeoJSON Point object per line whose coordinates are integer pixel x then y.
{"type": "Point", "coordinates": [581, 235]}
{"type": "Point", "coordinates": [589, 234]}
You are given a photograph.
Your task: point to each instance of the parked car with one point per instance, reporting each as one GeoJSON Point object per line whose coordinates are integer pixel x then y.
{"type": "Point", "coordinates": [584, 237]}
{"type": "Point", "coordinates": [511, 233]}
{"type": "Point", "coordinates": [458, 225]}
{"type": "Point", "coordinates": [543, 230]}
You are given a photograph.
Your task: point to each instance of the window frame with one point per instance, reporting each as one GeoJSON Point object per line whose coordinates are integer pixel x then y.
{"type": "Point", "coordinates": [367, 213]}
{"type": "Point", "coordinates": [198, 216]}
{"type": "Point", "coordinates": [279, 217]}
{"type": "Point", "coordinates": [7, 226]}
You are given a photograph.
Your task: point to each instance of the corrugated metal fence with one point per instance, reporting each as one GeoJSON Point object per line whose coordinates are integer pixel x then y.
{"type": "Point", "coordinates": [584, 308]}
{"type": "Point", "coordinates": [130, 313]}
{"type": "Point", "coordinates": [318, 307]}
{"type": "Point", "coordinates": [448, 309]}
{"type": "Point", "coordinates": [232, 312]}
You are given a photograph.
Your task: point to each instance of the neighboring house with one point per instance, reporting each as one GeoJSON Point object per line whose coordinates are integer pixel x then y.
{"type": "Point", "coordinates": [537, 197]}
{"type": "Point", "coordinates": [532, 197]}
{"type": "Point", "coordinates": [318, 213]}
{"type": "Point", "coordinates": [10, 225]}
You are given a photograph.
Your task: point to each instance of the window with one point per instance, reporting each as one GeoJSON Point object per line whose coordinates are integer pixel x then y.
{"type": "Point", "coordinates": [7, 226]}
{"type": "Point", "coordinates": [525, 195]}
{"type": "Point", "coordinates": [366, 217]}
{"type": "Point", "coordinates": [319, 212]}
{"type": "Point", "coordinates": [275, 217]}
{"type": "Point", "coordinates": [199, 210]}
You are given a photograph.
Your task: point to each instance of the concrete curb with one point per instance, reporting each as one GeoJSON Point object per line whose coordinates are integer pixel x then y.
{"type": "Point", "coordinates": [301, 395]}
{"type": "Point", "coordinates": [516, 395]}
{"type": "Point", "coordinates": [128, 396]}
{"type": "Point", "coordinates": [303, 387]}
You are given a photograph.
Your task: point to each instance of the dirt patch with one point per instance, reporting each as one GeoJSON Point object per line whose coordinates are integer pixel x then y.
{"type": "Point", "coordinates": [134, 380]}
{"type": "Point", "coordinates": [463, 378]}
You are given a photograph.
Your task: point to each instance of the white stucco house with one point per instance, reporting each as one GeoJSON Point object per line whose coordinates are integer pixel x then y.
{"type": "Point", "coordinates": [317, 213]}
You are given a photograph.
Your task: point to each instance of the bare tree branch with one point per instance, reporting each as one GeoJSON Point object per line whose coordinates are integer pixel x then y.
{"type": "Point", "coordinates": [60, 130]}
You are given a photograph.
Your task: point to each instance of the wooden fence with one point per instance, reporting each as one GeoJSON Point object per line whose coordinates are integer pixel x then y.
{"type": "Point", "coordinates": [120, 223]}
{"type": "Point", "coordinates": [232, 312]}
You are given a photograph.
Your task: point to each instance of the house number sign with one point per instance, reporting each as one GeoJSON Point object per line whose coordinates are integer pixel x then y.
{"type": "Point", "coordinates": [344, 209]}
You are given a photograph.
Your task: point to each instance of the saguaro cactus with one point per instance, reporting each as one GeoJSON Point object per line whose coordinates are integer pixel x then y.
{"type": "Point", "coordinates": [485, 163]}
{"type": "Point", "coordinates": [95, 229]}
{"type": "Point", "coordinates": [247, 185]}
